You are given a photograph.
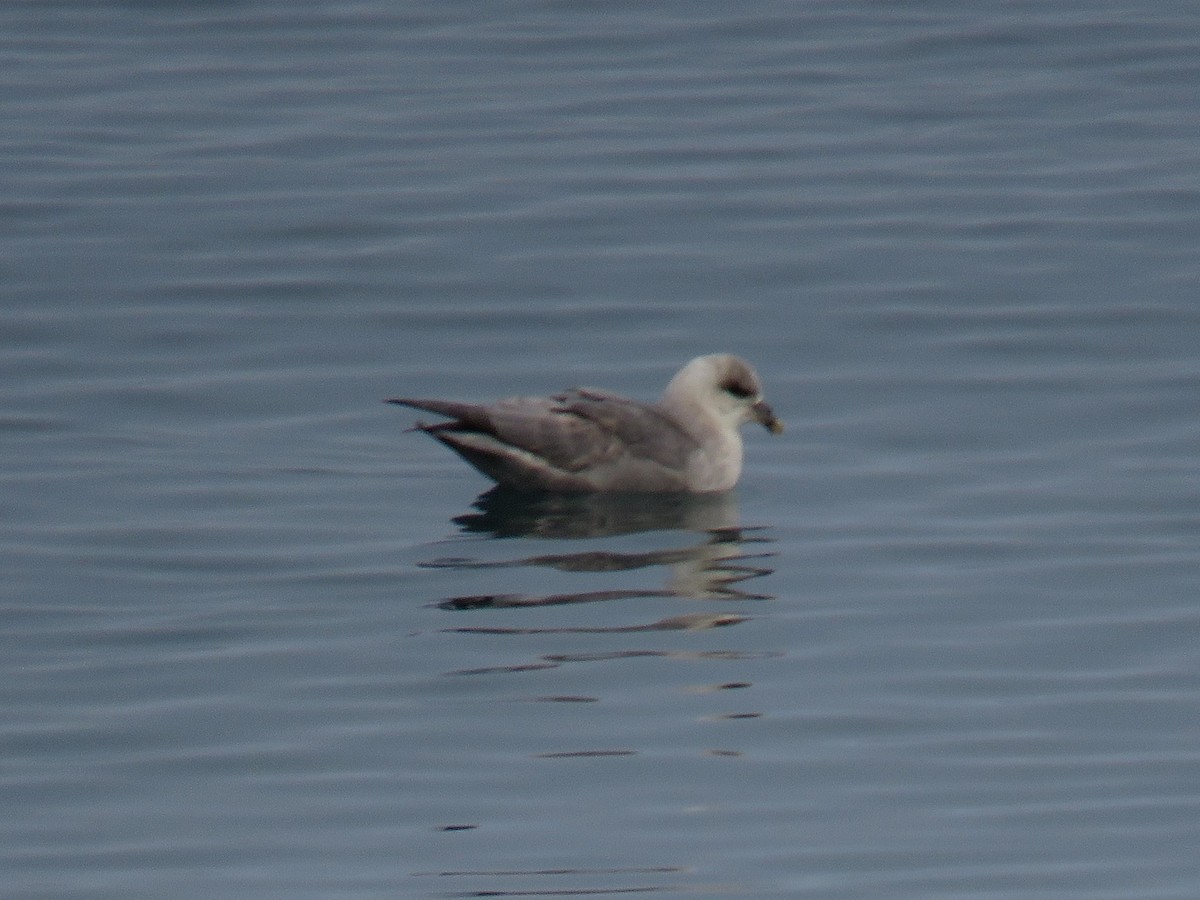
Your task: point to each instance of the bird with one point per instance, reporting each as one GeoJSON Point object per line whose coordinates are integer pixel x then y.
{"type": "Point", "coordinates": [587, 440]}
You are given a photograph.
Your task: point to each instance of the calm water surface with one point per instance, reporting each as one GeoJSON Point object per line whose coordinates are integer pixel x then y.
{"type": "Point", "coordinates": [257, 640]}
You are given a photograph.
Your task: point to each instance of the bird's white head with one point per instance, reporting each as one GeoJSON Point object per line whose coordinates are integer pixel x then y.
{"type": "Point", "coordinates": [722, 386]}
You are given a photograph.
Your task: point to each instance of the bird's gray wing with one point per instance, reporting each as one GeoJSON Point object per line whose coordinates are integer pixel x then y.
{"type": "Point", "coordinates": [640, 430]}
{"type": "Point", "coordinates": [574, 432]}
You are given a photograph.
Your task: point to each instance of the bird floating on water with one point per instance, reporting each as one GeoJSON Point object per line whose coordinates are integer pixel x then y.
{"type": "Point", "coordinates": [587, 439]}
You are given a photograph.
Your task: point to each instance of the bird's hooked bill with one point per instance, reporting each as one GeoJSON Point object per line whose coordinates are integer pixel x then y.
{"type": "Point", "coordinates": [764, 415]}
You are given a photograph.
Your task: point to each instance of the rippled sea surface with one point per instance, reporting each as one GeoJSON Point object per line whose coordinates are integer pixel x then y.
{"type": "Point", "coordinates": [258, 640]}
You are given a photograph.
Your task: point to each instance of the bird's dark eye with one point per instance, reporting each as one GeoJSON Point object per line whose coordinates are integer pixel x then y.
{"type": "Point", "coordinates": [739, 389]}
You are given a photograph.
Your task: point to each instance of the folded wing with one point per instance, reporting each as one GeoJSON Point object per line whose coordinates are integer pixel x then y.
{"type": "Point", "coordinates": [578, 440]}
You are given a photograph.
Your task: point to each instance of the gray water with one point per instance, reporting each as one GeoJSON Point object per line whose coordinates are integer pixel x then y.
{"type": "Point", "coordinates": [257, 640]}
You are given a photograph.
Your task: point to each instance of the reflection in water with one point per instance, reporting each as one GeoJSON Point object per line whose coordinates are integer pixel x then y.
{"type": "Point", "coordinates": [709, 569]}
{"type": "Point", "coordinates": [553, 660]}
{"type": "Point", "coordinates": [672, 623]}
{"type": "Point", "coordinates": [507, 513]}
{"type": "Point", "coordinates": [710, 556]}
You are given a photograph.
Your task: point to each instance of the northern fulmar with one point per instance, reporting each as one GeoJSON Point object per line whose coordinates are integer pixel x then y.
{"type": "Point", "coordinates": [587, 439]}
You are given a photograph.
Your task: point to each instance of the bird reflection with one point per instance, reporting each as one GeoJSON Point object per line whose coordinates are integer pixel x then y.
{"type": "Point", "coordinates": [699, 551]}
{"type": "Point", "coordinates": [508, 513]}
{"type": "Point", "coordinates": [692, 622]}
{"type": "Point", "coordinates": [714, 567]}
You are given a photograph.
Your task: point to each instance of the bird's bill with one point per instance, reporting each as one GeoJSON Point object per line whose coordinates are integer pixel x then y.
{"type": "Point", "coordinates": [765, 416]}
